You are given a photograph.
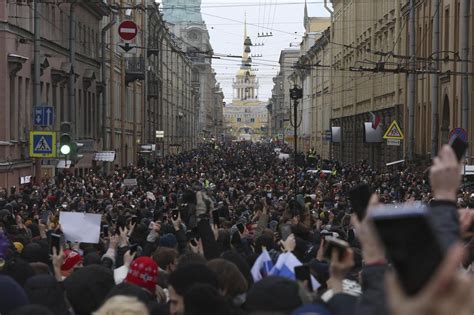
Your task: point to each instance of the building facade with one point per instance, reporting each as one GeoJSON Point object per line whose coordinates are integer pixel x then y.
{"type": "Point", "coordinates": [171, 98]}
{"type": "Point", "coordinates": [246, 118]}
{"type": "Point", "coordinates": [338, 90]}
{"type": "Point", "coordinates": [317, 84]}
{"type": "Point", "coordinates": [185, 21]}
{"type": "Point", "coordinates": [448, 114]}
{"type": "Point", "coordinates": [314, 31]}
{"type": "Point", "coordinates": [281, 113]}
{"type": "Point", "coordinates": [366, 27]}
{"type": "Point", "coordinates": [359, 70]}
{"type": "Point", "coordinates": [17, 90]}
{"type": "Point", "coordinates": [117, 100]}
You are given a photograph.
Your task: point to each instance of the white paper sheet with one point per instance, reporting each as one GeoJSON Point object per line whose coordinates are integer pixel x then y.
{"type": "Point", "coordinates": [80, 227]}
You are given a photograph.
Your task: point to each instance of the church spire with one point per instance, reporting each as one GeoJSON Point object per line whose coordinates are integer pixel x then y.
{"type": "Point", "coordinates": [245, 25]}
{"type": "Point", "coordinates": [306, 15]}
{"type": "Point", "coordinates": [247, 43]}
{"type": "Point", "coordinates": [306, 10]}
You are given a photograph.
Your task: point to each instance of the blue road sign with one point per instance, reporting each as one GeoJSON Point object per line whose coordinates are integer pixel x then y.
{"type": "Point", "coordinates": [43, 144]}
{"type": "Point", "coordinates": [458, 132]}
{"type": "Point", "coordinates": [44, 116]}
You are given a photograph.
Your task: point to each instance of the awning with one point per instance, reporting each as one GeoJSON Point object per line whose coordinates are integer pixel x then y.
{"type": "Point", "coordinates": [86, 161]}
{"type": "Point", "coordinates": [105, 156]}
{"type": "Point", "coordinates": [64, 164]}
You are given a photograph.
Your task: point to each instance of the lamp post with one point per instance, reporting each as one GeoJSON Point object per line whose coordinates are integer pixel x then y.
{"type": "Point", "coordinates": [296, 93]}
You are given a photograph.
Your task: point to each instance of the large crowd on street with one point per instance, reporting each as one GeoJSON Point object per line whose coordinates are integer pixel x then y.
{"type": "Point", "coordinates": [232, 229]}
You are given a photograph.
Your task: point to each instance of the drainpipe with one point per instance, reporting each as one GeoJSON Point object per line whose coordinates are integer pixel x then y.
{"type": "Point", "coordinates": [72, 76]}
{"type": "Point", "coordinates": [331, 12]}
{"type": "Point", "coordinates": [37, 74]}
{"type": "Point", "coordinates": [464, 41]}
{"type": "Point", "coordinates": [412, 82]}
{"type": "Point", "coordinates": [104, 81]}
{"type": "Point", "coordinates": [435, 82]}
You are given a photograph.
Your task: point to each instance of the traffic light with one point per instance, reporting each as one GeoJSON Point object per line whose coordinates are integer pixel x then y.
{"type": "Point", "coordinates": [296, 93]}
{"type": "Point", "coordinates": [65, 139]}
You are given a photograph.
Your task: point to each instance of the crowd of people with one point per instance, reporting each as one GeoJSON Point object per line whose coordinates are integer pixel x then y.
{"type": "Point", "coordinates": [211, 232]}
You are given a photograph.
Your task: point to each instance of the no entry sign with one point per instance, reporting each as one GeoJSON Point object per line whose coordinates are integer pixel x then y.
{"type": "Point", "coordinates": [128, 30]}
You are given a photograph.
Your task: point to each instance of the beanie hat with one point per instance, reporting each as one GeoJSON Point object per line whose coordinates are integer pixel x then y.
{"type": "Point", "coordinates": [312, 309]}
{"type": "Point", "coordinates": [35, 252]}
{"type": "Point", "coordinates": [13, 296]}
{"type": "Point", "coordinates": [19, 270]}
{"type": "Point", "coordinates": [273, 294]}
{"type": "Point", "coordinates": [92, 259]}
{"type": "Point", "coordinates": [87, 288]}
{"type": "Point", "coordinates": [168, 240]}
{"type": "Point", "coordinates": [47, 291]}
{"type": "Point", "coordinates": [71, 258]}
{"type": "Point", "coordinates": [144, 273]}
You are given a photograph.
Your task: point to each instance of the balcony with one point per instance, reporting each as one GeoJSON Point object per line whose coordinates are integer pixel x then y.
{"type": "Point", "coordinates": [134, 69]}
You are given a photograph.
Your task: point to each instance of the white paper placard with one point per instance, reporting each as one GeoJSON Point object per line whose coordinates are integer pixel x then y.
{"type": "Point", "coordinates": [80, 227]}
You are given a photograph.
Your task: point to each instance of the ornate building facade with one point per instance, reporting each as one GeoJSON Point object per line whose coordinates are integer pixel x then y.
{"type": "Point", "coordinates": [246, 118]}
{"type": "Point", "coordinates": [191, 35]}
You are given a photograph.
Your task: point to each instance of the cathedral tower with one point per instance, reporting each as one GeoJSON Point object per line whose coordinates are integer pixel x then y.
{"type": "Point", "coordinates": [246, 83]}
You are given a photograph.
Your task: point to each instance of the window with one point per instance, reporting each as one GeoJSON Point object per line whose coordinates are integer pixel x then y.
{"type": "Point", "coordinates": [62, 103]}
{"type": "Point", "coordinates": [252, 120]}
{"type": "Point", "coordinates": [27, 100]}
{"type": "Point", "coordinates": [239, 119]}
{"type": "Point", "coordinates": [48, 86]}
{"type": "Point", "coordinates": [78, 114]}
{"type": "Point", "coordinates": [20, 109]}
{"type": "Point", "coordinates": [91, 117]}
{"type": "Point", "coordinates": [446, 29]}
{"type": "Point", "coordinates": [13, 109]}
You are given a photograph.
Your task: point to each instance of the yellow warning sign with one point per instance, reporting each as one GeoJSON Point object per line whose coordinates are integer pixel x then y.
{"type": "Point", "coordinates": [394, 132]}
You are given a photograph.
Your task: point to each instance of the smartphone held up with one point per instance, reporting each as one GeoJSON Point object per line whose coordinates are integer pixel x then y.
{"type": "Point", "coordinates": [410, 243]}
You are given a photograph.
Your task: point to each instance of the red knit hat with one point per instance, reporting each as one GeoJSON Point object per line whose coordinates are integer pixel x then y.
{"type": "Point", "coordinates": [71, 258]}
{"type": "Point", "coordinates": [144, 273]}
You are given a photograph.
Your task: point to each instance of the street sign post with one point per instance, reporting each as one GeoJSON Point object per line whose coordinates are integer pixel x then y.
{"type": "Point", "coordinates": [128, 30]}
{"type": "Point", "coordinates": [44, 116]}
{"type": "Point", "coordinates": [458, 132]}
{"type": "Point", "coordinates": [43, 144]}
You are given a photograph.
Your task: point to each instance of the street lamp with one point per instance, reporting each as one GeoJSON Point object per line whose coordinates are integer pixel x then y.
{"type": "Point", "coordinates": [296, 93]}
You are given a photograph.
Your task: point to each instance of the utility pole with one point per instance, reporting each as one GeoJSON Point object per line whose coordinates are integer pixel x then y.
{"type": "Point", "coordinates": [411, 82]}
{"type": "Point", "coordinates": [37, 73]}
{"type": "Point", "coordinates": [464, 41]}
{"type": "Point", "coordinates": [296, 94]}
{"type": "Point", "coordinates": [72, 60]}
{"type": "Point", "coordinates": [435, 82]}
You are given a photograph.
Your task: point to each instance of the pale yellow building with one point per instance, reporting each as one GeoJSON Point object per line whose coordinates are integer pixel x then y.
{"type": "Point", "coordinates": [309, 49]}
{"type": "Point", "coordinates": [246, 118]}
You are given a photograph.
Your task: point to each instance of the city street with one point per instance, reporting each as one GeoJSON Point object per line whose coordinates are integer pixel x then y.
{"type": "Point", "coordinates": [202, 157]}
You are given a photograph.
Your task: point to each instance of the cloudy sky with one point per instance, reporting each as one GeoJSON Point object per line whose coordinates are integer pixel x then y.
{"type": "Point", "coordinates": [225, 21]}
{"type": "Point", "coordinates": [283, 18]}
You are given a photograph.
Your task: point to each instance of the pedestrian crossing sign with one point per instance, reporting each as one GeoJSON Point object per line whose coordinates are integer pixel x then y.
{"type": "Point", "coordinates": [394, 132]}
{"type": "Point", "coordinates": [43, 144]}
